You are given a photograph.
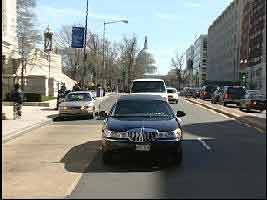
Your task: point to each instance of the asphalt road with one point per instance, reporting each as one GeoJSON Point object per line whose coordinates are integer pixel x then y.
{"type": "Point", "coordinates": [222, 158]}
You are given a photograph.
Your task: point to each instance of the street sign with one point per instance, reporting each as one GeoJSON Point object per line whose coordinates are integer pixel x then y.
{"type": "Point", "coordinates": [77, 37]}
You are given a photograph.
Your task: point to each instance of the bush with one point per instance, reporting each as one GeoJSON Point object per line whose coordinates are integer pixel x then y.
{"type": "Point", "coordinates": [47, 98]}
{"type": "Point", "coordinates": [8, 97]}
{"type": "Point", "coordinates": [32, 97]}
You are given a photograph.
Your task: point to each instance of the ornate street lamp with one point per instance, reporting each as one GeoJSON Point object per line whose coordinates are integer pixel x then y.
{"type": "Point", "coordinates": [48, 45]}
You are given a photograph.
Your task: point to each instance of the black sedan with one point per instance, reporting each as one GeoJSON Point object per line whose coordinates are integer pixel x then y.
{"type": "Point", "coordinates": [142, 124]}
{"type": "Point", "coordinates": [253, 101]}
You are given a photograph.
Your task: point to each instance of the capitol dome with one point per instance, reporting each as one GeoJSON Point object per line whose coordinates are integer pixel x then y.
{"type": "Point", "coordinates": [146, 58]}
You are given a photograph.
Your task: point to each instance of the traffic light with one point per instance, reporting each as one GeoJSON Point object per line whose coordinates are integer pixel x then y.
{"type": "Point", "coordinates": [243, 77]}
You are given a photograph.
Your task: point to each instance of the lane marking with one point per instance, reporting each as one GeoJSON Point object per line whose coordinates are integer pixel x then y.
{"type": "Point", "coordinates": [74, 184]}
{"type": "Point", "coordinates": [204, 144]}
{"type": "Point", "coordinates": [259, 129]}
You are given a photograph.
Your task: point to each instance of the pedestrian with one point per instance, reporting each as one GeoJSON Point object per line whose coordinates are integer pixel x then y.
{"type": "Point", "coordinates": [61, 94]}
{"type": "Point", "coordinates": [76, 87]}
{"type": "Point", "coordinates": [17, 98]}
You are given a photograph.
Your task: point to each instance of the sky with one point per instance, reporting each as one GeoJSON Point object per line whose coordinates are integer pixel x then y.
{"type": "Point", "coordinates": [170, 25]}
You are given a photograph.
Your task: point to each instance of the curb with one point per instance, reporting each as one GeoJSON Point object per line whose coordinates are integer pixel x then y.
{"type": "Point", "coordinates": [25, 130]}
{"type": "Point", "coordinates": [231, 115]}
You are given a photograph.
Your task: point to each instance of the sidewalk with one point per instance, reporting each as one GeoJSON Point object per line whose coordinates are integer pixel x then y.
{"type": "Point", "coordinates": [32, 117]}
{"type": "Point", "coordinates": [247, 118]}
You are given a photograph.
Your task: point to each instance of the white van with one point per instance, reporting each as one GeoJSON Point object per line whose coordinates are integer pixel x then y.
{"type": "Point", "coordinates": [149, 86]}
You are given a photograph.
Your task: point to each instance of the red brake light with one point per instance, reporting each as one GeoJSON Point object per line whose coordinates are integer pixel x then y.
{"type": "Point", "coordinates": [226, 96]}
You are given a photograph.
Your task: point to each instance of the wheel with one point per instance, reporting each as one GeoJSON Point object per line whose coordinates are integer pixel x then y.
{"type": "Point", "coordinates": [176, 101]}
{"type": "Point", "coordinates": [224, 104]}
{"type": "Point", "coordinates": [177, 156]}
{"type": "Point", "coordinates": [107, 157]}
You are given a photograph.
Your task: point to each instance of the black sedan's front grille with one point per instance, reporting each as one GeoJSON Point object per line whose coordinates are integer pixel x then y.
{"type": "Point", "coordinates": [142, 135]}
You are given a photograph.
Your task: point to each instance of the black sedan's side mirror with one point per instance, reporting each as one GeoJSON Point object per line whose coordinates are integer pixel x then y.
{"type": "Point", "coordinates": [180, 114]}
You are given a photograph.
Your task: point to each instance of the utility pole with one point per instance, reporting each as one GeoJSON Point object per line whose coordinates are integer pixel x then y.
{"type": "Point", "coordinates": [84, 49]}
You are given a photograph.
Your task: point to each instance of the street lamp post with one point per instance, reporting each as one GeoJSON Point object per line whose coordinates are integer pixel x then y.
{"type": "Point", "coordinates": [48, 46]}
{"type": "Point", "coordinates": [104, 63]}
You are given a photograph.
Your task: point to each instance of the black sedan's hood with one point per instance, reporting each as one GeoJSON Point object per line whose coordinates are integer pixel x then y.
{"type": "Point", "coordinates": [125, 124]}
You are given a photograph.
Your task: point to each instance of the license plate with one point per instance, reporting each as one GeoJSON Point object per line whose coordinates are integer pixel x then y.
{"type": "Point", "coordinates": [142, 147]}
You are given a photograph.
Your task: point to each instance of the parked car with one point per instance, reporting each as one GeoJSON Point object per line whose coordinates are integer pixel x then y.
{"type": "Point", "coordinates": [217, 94]}
{"type": "Point", "coordinates": [144, 124]}
{"type": "Point", "coordinates": [196, 92]}
{"type": "Point", "coordinates": [172, 95]}
{"type": "Point", "coordinates": [149, 86]}
{"type": "Point", "coordinates": [232, 95]}
{"type": "Point", "coordinates": [207, 91]}
{"type": "Point", "coordinates": [189, 92]}
{"type": "Point", "coordinates": [79, 103]}
{"type": "Point", "coordinates": [253, 100]}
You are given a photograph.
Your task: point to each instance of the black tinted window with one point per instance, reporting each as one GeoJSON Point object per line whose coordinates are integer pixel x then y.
{"type": "Point", "coordinates": [148, 86]}
{"type": "Point", "coordinates": [236, 91]}
{"type": "Point", "coordinates": [171, 91]}
{"type": "Point", "coordinates": [142, 108]}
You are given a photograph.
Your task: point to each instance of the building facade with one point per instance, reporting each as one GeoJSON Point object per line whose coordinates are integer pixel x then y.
{"type": "Point", "coordinates": [200, 60]}
{"type": "Point", "coordinates": [189, 64]}
{"type": "Point", "coordinates": [10, 56]}
{"type": "Point", "coordinates": [253, 44]}
{"type": "Point", "coordinates": [223, 44]}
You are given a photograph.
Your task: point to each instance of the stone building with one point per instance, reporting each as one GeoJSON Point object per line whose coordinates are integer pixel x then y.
{"type": "Point", "coordinates": [200, 60]}
{"type": "Point", "coordinates": [10, 56]}
{"type": "Point", "coordinates": [223, 44]}
{"type": "Point", "coordinates": [253, 44]}
{"type": "Point", "coordinates": [145, 58]}
{"type": "Point", "coordinates": [37, 76]}
{"type": "Point", "coordinates": [189, 64]}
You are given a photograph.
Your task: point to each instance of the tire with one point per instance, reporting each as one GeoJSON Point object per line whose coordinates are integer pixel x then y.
{"type": "Point", "coordinates": [177, 156]}
{"type": "Point", "coordinates": [176, 101]}
{"type": "Point", "coordinates": [224, 104]}
{"type": "Point", "coordinates": [107, 158]}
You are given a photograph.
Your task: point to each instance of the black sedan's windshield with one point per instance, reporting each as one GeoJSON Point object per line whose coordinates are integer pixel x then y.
{"type": "Point", "coordinates": [142, 109]}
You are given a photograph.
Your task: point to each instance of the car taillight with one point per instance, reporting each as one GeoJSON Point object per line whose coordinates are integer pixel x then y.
{"type": "Point", "coordinates": [253, 102]}
{"type": "Point", "coordinates": [226, 96]}
{"type": "Point", "coordinates": [205, 93]}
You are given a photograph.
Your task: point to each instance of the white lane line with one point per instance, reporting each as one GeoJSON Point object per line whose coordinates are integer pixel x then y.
{"type": "Point", "coordinates": [204, 144]}
{"type": "Point", "coordinates": [74, 184]}
{"type": "Point", "coordinates": [260, 130]}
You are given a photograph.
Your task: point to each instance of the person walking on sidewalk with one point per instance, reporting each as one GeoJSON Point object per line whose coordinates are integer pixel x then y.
{"type": "Point", "coordinates": [76, 87]}
{"type": "Point", "coordinates": [17, 98]}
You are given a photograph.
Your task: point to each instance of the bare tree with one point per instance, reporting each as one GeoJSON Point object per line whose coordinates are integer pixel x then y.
{"type": "Point", "coordinates": [177, 63]}
{"type": "Point", "coordinates": [27, 35]}
{"type": "Point", "coordinates": [128, 54]}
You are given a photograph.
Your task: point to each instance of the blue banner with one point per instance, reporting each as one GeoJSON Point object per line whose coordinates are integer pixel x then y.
{"type": "Point", "coordinates": [77, 37]}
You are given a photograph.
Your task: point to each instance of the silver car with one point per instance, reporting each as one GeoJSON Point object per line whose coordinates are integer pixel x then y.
{"type": "Point", "coordinates": [79, 103]}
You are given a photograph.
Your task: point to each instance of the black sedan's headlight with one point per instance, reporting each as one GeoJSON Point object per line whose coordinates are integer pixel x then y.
{"type": "Point", "coordinates": [175, 134]}
{"type": "Point", "coordinates": [113, 134]}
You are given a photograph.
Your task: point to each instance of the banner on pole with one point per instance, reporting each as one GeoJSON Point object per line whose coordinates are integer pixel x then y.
{"type": "Point", "coordinates": [77, 37]}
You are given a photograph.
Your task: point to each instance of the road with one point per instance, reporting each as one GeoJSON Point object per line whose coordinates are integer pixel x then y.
{"type": "Point", "coordinates": [222, 158]}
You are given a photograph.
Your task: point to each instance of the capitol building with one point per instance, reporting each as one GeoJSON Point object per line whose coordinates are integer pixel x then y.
{"type": "Point", "coordinates": [146, 58]}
